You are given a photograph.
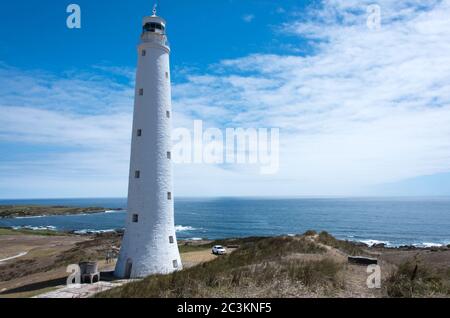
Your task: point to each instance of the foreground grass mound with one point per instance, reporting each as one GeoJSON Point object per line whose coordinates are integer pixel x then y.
{"type": "Point", "coordinates": [261, 267]}
{"type": "Point", "coordinates": [413, 279]}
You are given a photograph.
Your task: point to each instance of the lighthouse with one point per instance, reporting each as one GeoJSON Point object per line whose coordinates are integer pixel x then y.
{"type": "Point", "coordinates": [150, 245]}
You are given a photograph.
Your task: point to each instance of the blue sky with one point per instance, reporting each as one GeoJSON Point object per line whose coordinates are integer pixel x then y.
{"type": "Point", "coordinates": [361, 111]}
{"type": "Point", "coordinates": [201, 32]}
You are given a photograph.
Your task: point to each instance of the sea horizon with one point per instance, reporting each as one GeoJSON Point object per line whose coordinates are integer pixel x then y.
{"type": "Point", "coordinates": [394, 221]}
{"type": "Point", "coordinates": [3, 200]}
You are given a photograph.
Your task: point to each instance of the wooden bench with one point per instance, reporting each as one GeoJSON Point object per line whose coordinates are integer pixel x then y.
{"type": "Point", "coordinates": [361, 260]}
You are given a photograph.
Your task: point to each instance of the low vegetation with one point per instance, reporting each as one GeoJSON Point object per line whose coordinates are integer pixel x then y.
{"type": "Point", "coordinates": [94, 250]}
{"type": "Point", "coordinates": [13, 211]}
{"type": "Point", "coordinates": [307, 265]}
{"type": "Point", "coordinates": [261, 267]}
{"type": "Point", "coordinates": [310, 233]}
{"type": "Point", "coordinates": [8, 231]}
{"type": "Point", "coordinates": [414, 279]}
{"type": "Point", "coordinates": [350, 248]}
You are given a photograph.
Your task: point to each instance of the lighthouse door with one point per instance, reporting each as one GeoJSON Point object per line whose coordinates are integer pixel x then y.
{"type": "Point", "coordinates": [128, 268]}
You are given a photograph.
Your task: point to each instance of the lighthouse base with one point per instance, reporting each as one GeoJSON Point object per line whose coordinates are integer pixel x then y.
{"type": "Point", "coordinates": [148, 260]}
{"type": "Point", "coordinates": [129, 269]}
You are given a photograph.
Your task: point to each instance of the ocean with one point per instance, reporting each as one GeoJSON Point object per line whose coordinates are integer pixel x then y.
{"type": "Point", "coordinates": [393, 221]}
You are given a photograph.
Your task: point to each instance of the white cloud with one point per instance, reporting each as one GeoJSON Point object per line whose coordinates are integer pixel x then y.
{"type": "Point", "coordinates": [368, 107]}
{"type": "Point", "coordinates": [70, 134]}
{"type": "Point", "coordinates": [364, 108]}
{"type": "Point", "coordinates": [248, 18]}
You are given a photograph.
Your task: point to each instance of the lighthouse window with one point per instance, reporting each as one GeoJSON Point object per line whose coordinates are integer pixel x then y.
{"type": "Point", "coordinates": [175, 263]}
{"type": "Point", "coordinates": [152, 27]}
{"type": "Point", "coordinates": [168, 114]}
{"type": "Point", "coordinates": [167, 75]}
{"type": "Point", "coordinates": [139, 132]}
{"type": "Point", "coordinates": [169, 155]}
{"type": "Point", "coordinates": [169, 195]}
{"type": "Point", "coordinates": [144, 52]}
{"type": "Point", "coordinates": [171, 240]}
{"type": "Point", "coordinates": [141, 91]}
{"type": "Point", "coordinates": [137, 174]}
{"type": "Point", "coordinates": [135, 218]}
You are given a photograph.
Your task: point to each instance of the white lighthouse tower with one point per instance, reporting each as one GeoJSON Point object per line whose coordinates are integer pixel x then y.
{"type": "Point", "coordinates": [150, 245]}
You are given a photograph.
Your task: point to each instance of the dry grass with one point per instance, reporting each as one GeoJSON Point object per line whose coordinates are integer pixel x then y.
{"type": "Point", "coordinates": [41, 260]}
{"type": "Point", "coordinates": [310, 265]}
{"type": "Point", "coordinates": [260, 264]}
{"type": "Point", "coordinates": [347, 247]}
{"type": "Point", "coordinates": [7, 231]}
{"type": "Point", "coordinates": [413, 279]}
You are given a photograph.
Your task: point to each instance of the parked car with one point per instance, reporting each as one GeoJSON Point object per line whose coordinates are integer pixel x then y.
{"type": "Point", "coordinates": [219, 250]}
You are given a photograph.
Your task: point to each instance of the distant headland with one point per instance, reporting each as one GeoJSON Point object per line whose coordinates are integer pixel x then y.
{"type": "Point", "coordinates": [15, 211]}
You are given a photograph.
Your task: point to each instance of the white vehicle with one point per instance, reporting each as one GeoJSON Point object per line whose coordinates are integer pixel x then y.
{"type": "Point", "coordinates": [219, 250]}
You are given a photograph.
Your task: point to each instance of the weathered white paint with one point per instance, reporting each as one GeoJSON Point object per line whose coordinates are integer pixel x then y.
{"type": "Point", "coordinates": [146, 244]}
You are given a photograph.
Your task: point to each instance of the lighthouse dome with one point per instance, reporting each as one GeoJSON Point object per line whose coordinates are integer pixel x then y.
{"type": "Point", "coordinates": [154, 24]}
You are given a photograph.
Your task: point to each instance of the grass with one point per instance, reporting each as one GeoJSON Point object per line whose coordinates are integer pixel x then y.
{"type": "Point", "coordinates": [413, 279]}
{"type": "Point", "coordinates": [91, 250]}
{"type": "Point", "coordinates": [313, 273]}
{"type": "Point", "coordinates": [6, 231]}
{"type": "Point", "coordinates": [260, 263]}
{"type": "Point", "coordinates": [345, 246]}
{"type": "Point", "coordinates": [11, 211]}
{"type": "Point", "coordinates": [192, 248]}
{"type": "Point", "coordinates": [94, 250]}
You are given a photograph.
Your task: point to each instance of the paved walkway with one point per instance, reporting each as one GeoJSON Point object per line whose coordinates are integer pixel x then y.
{"type": "Point", "coordinates": [82, 291]}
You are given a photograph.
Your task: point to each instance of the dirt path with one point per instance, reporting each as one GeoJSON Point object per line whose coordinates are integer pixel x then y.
{"type": "Point", "coordinates": [37, 250]}
{"type": "Point", "coordinates": [190, 259]}
{"type": "Point", "coordinates": [13, 257]}
{"type": "Point", "coordinates": [12, 245]}
{"type": "Point", "coordinates": [354, 276]}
